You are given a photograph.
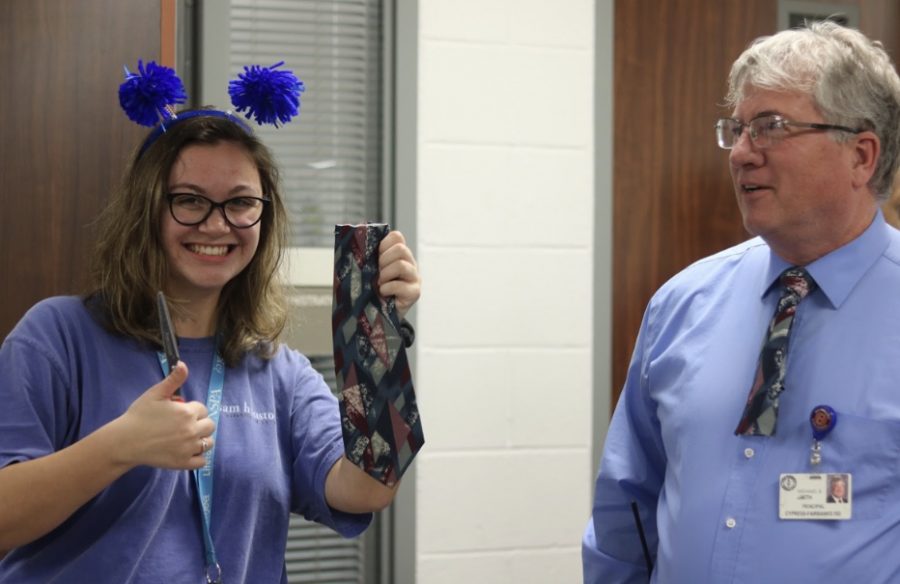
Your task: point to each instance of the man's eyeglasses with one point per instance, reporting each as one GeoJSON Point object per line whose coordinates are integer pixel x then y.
{"type": "Point", "coordinates": [765, 130]}
{"type": "Point", "coordinates": [239, 212]}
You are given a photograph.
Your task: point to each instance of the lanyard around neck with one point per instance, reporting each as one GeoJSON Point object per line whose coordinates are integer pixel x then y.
{"type": "Point", "coordinates": [203, 477]}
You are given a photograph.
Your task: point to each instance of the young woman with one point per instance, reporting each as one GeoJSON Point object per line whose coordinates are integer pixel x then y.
{"type": "Point", "coordinates": [95, 453]}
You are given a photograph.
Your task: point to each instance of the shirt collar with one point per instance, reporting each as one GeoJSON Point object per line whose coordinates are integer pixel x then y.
{"type": "Point", "coordinates": [838, 272]}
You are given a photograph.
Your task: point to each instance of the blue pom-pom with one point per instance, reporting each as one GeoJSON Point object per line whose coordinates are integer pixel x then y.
{"type": "Point", "coordinates": [269, 96]}
{"type": "Point", "coordinates": [145, 95]}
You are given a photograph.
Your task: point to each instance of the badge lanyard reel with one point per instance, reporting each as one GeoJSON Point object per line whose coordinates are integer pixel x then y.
{"type": "Point", "coordinates": [823, 420]}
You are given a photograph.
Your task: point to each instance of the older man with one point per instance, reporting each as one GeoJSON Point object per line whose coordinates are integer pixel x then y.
{"type": "Point", "coordinates": [722, 448]}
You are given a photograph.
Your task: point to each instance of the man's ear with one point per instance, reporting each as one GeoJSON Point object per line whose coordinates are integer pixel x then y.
{"type": "Point", "coordinates": [866, 149]}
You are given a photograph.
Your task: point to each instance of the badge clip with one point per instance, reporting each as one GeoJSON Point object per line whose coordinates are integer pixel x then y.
{"type": "Point", "coordinates": [822, 419]}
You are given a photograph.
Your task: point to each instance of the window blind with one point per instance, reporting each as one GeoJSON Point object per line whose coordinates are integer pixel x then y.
{"type": "Point", "coordinates": [331, 156]}
{"type": "Point", "coordinates": [315, 554]}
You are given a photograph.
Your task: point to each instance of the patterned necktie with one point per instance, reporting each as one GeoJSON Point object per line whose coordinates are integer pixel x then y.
{"type": "Point", "coordinates": [379, 416]}
{"type": "Point", "coordinates": [761, 411]}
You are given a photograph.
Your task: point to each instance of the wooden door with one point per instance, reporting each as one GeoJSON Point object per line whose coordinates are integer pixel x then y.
{"type": "Point", "coordinates": [672, 196]}
{"type": "Point", "coordinates": [64, 138]}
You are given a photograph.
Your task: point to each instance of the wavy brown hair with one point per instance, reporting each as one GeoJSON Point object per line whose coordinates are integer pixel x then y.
{"type": "Point", "coordinates": [128, 266]}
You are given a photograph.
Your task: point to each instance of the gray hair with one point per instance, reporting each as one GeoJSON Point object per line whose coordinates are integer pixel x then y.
{"type": "Point", "coordinates": [850, 78]}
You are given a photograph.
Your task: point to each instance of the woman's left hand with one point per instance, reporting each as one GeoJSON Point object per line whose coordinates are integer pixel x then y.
{"type": "Point", "coordinates": [399, 273]}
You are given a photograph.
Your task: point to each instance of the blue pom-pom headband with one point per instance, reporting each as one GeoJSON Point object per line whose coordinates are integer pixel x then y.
{"type": "Point", "coordinates": [269, 96]}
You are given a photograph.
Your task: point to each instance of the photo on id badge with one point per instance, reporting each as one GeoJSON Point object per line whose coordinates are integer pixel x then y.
{"type": "Point", "coordinates": [815, 496]}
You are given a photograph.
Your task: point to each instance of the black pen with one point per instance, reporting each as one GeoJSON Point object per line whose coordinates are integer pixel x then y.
{"type": "Point", "coordinates": [169, 343]}
{"type": "Point", "coordinates": [640, 528]}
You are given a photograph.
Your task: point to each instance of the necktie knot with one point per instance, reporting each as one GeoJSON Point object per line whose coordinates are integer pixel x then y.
{"type": "Point", "coordinates": [797, 281]}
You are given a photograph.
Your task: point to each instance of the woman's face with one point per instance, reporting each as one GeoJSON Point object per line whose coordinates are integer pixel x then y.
{"type": "Point", "coordinates": [203, 258]}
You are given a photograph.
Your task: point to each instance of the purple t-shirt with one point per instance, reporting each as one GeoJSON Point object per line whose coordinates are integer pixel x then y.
{"type": "Point", "coordinates": [62, 376]}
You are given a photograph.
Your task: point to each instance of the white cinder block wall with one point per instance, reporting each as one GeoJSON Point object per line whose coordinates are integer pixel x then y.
{"type": "Point", "coordinates": [504, 223]}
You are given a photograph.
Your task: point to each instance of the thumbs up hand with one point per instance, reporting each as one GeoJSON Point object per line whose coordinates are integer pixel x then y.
{"type": "Point", "coordinates": [159, 431]}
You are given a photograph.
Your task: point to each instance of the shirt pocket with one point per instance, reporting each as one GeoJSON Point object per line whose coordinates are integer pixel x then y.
{"type": "Point", "coordinates": [869, 450]}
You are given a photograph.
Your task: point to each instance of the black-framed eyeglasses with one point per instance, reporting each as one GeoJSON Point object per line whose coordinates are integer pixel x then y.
{"type": "Point", "coordinates": [192, 209]}
{"type": "Point", "coordinates": [766, 130]}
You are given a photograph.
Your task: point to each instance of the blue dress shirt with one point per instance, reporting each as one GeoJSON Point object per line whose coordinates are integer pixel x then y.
{"type": "Point", "coordinates": [709, 499]}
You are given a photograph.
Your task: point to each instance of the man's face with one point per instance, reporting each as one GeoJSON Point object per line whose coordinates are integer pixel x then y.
{"type": "Point", "coordinates": [796, 193]}
{"type": "Point", "coordinates": [838, 489]}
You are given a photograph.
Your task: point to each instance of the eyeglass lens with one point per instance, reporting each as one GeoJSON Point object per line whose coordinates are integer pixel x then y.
{"type": "Point", "coordinates": [762, 131]}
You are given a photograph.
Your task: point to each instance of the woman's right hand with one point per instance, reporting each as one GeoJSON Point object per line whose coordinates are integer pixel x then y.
{"type": "Point", "coordinates": [39, 494]}
{"type": "Point", "coordinates": [165, 433]}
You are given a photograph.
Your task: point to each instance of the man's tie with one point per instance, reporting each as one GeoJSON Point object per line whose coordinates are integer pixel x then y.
{"type": "Point", "coordinates": [379, 415]}
{"type": "Point", "coordinates": [761, 411]}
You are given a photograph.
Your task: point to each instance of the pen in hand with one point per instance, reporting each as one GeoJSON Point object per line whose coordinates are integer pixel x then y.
{"type": "Point", "coordinates": [167, 332]}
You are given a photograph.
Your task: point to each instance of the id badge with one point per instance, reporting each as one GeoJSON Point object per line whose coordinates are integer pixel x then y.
{"type": "Point", "coordinates": [815, 496]}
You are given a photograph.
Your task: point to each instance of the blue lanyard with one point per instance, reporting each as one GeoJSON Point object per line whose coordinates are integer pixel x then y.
{"type": "Point", "coordinates": [203, 477]}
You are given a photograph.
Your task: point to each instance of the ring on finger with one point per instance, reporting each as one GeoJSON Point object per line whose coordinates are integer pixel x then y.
{"type": "Point", "coordinates": [204, 445]}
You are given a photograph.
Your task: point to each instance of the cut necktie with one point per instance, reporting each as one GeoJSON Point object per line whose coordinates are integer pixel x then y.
{"type": "Point", "coordinates": [761, 412]}
{"type": "Point", "coordinates": [379, 416]}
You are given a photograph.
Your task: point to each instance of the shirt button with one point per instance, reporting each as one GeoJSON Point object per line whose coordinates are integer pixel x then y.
{"type": "Point", "coordinates": [730, 523]}
{"type": "Point", "coordinates": [748, 452]}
